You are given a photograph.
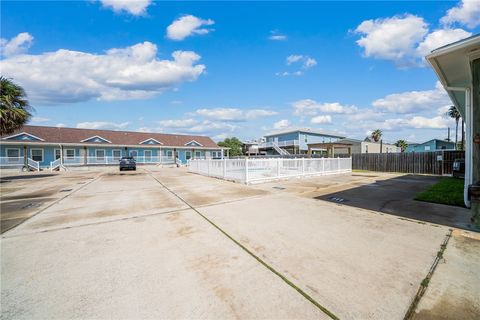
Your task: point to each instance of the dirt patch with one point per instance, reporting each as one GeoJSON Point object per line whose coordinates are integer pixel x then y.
{"type": "Point", "coordinates": [15, 212]}
{"type": "Point", "coordinates": [69, 218]}
{"type": "Point", "coordinates": [32, 195]}
{"type": "Point", "coordinates": [470, 246]}
{"type": "Point", "coordinates": [185, 231]}
{"type": "Point", "coordinates": [446, 309]}
{"type": "Point", "coordinates": [8, 190]}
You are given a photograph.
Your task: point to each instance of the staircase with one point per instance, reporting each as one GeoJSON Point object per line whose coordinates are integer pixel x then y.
{"type": "Point", "coordinates": [280, 151]}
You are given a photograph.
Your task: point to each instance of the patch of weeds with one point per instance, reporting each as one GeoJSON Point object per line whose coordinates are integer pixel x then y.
{"type": "Point", "coordinates": [425, 282]}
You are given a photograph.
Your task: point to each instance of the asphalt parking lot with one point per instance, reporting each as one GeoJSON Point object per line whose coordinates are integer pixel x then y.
{"type": "Point", "coordinates": [163, 243]}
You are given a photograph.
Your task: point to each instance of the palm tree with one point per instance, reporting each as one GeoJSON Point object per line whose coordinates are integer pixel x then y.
{"type": "Point", "coordinates": [453, 113]}
{"type": "Point", "coordinates": [376, 135]}
{"type": "Point", "coordinates": [14, 107]}
{"type": "Point", "coordinates": [402, 144]}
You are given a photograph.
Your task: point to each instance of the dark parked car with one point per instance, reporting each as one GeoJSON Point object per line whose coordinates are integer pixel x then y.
{"type": "Point", "coordinates": [459, 168]}
{"type": "Point", "coordinates": [128, 163]}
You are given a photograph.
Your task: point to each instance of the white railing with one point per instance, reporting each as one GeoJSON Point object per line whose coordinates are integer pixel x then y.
{"type": "Point", "coordinates": [55, 164]}
{"type": "Point", "coordinates": [33, 164]}
{"type": "Point", "coordinates": [257, 170]}
{"type": "Point", "coordinates": [286, 143]}
{"type": "Point", "coordinates": [12, 161]}
{"type": "Point", "coordinates": [78, 161]}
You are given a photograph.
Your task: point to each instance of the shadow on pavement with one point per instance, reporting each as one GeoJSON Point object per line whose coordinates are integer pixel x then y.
{"type": "Point", "coordinates": [395, 196]}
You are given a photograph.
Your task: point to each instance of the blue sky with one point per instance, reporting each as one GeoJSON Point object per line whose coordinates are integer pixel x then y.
{"type": "Point", "coordinates": [238, 68]}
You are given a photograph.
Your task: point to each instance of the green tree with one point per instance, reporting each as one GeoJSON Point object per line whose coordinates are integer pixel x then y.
{"type": "Point", "coordinates": [402, 144]}
{"type": "Point", "coordinates": [376, 135]}
{"type": "Point", "coordinates": [455, 114]}
{"type": "Point", "coordinates": [14, 107]}
{"type": "Point", "coordinates": [234, 144]}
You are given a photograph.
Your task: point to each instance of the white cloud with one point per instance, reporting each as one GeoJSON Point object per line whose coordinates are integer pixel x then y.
{"type": "Point", "coordinates": [311, 107]}
{"type": "Point", "coordinates": [276, 36]}
{"type": "Point", "coordinates": [102, 125]}
{"type": "Point", "coordinates": [443, 110]}
{"type": "Point", "coordinates": [226, 114]}
{"type": "Point", "coordinates": [196, 126]}
{"type": "Point", "coordinates": [406, 40]}
{"type": "Point", "coordinates": [233, 114]}
{"type": "Point", "coordinates": [186, 26]}
{"type": "Point", "coordinates": [391, 38]}
{"type": "Point", "coordinates": [467, 12]}
{"type": "Point", "coordinates": [17, 45]}
{"type": "Point", "coordinates": [417, 122]}
{"type": "Point", "coordinates": [413, 101]}
{"type": "Point", "coordinates": [293, 58]}
{"type": "Point", "coordinates": [306, 61]}
{"type": "Point", "coordinates": [309, 62]}
{"type": "Point", "coordinates": [126, 73]}
{"type": "Point", "coordinates": [183, 123]}
{"type": "Point", "coordinates": [286, 73]}
{"type": "Point", "coordinates": [282, 124]}
{"type": "Point", "coordinates": [259, 113]}
{"type": "Point", "coordinates": [60, 125]}
{"type": "Point", "coordinates": [208, 126]}
{"type": "Point", "coordinates": [321, 119]}
{"type": "Point", "coordinates": [134, 7]}
{"type": "Point", "coordinates": [39, 119]}
{"type": "Point", "coordinates": [439, 38]}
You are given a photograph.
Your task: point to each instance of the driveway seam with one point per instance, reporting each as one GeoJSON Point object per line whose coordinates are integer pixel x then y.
{"type": "Point", "coordinates": [97, 223]}
{"type": "Point", "coordinates": [424, 284]}
{"type": "Point", "coordinates": [262, 262]}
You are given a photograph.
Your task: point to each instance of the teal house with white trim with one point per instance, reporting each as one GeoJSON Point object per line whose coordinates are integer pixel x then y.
{"type": "Point", "coordinates": [430, 145]}
{"type": "Point", "coordinates": [50, 147]}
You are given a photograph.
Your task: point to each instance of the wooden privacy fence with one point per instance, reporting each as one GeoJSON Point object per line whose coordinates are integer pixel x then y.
{"type": "Point", "coordinates": [434, 162]}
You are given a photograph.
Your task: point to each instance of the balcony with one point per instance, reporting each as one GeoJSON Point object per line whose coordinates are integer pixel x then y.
{"type": "Point", "coordinates": [281, 144]}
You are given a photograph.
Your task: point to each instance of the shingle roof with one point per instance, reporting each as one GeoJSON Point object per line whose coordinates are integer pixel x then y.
{"type": "Point", "coordinates": [73, 135]}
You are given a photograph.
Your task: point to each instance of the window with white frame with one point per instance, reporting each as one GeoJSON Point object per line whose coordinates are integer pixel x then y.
{"type": "Point", "coordinates": [170, 154]}
{"type": "Point", "coordinates": [116, 154]}
{"type": "Point", "coordinates": [57, 154]}
{"type": "Point", "coordinates": [133, 153]}
{"type": "Point", "coordinates": [69, 154]}
{"type": "Point", "coordinates": [198, 154]}
{"type": "Point", "coordinates": [13, 153]}
{"type": "Point", "coordinates": [100, 154]}
{"type": "Point", "coordinates": [148, 155]}
{"type": "Point", "coordinates": [188, 155]}
{"type": "Point", "coordinates": [36, 154]}
{"type": "Point", "coordinates": [427, 148]}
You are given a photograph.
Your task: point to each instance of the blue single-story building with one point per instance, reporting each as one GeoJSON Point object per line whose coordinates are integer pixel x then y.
{"type": "Point", "coordinates": [295, 141]}
{"type": "Point", "coordinates": [49, 147]}
{"type": "Point", "coordinates": [431, 145]}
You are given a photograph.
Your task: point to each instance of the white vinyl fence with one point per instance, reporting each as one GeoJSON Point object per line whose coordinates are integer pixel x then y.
{"type": "Point", "coordinates": [258, 170]}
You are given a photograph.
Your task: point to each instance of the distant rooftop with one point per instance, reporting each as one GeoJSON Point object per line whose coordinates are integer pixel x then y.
{"type": "Point", "coordinates": [303, 130]}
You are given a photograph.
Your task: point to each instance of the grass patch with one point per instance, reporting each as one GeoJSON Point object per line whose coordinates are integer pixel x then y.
{"type": "Point", "coordinates": [448, 191]}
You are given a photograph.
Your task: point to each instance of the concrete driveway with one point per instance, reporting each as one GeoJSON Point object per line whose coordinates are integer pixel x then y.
{"type": "Point", "coordinates": [161, 242]}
